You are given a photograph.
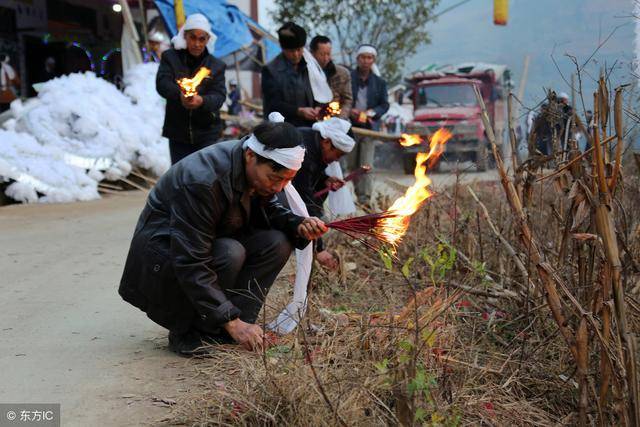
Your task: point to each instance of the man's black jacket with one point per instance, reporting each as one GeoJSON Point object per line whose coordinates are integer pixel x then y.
{"type": "Point", "coordinates": [168, 271]}
{"type": "Point", "coordinates": [285, 89]}
{"type": "Point", "coordinates": [203, 124]}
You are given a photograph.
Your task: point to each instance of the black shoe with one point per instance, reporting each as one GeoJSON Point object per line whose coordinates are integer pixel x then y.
{"type": "Point", "coordinates": [217, 339]}
{"type": "Point", "coordinates": [189, 344]}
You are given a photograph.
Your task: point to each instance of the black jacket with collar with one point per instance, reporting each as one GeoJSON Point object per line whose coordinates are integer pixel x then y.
{"type": "Point", "coordinates": [285, 89]}
{"type": "Point", "coordinates": [168, 270]}
{"type": "Point", "coordinates": [203, 124]}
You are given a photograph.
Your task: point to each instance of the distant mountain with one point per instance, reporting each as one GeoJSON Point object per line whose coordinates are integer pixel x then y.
{"type": "Point", "coordinates": [538, 28]}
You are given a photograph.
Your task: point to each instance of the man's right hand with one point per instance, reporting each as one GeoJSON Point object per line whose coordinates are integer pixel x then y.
{"type": "Point", "coordinates": [308, 113]}
{"type": "Point", "coordinates": [248, 335]}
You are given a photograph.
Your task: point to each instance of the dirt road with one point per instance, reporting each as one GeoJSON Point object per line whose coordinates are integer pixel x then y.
{"type": "Point", "coordinates": [66, 336]}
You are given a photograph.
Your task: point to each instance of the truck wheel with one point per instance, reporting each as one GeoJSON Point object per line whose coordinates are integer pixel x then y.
{"type": "Point", "coordinates": [409, 163]}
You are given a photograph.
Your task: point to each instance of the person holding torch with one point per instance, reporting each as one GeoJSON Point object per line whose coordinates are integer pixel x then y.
{"type": "Point", "coordinates": [192, 120]}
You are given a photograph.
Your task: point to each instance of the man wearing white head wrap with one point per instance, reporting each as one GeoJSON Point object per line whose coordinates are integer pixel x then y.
{"type": "Point", "coordinates": [370, 103]}
{"type": "Point", "coordinates": [158, 43]}
{"type": "Point", "coordinates": [191, 123]}
{"type": "Point", "coordinates": [326, 142]}
{"type": "Point", "coordinates": [213, 237]}
{"type": "Point", "coordinates": [196, 25]}
{"type": "Point", "coordinates": [369, 89]}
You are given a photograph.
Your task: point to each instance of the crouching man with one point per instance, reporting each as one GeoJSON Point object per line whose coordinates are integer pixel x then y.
{"type": "Point", "coordinates": [325, 142]}
{"type": "Point", "coordinates": [212, 238]}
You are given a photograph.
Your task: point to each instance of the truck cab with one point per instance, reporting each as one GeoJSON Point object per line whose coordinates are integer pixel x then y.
{"type": "Point", "coordinates": [446, 98]}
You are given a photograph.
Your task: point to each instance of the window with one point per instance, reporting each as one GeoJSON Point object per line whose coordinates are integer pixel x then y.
{"type": "Point", "coordinates": [446, 95]}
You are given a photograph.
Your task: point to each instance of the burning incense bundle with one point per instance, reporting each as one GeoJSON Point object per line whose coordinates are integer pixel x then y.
{"type": "Point", "coordinates": [356, 174]}
{"type": "Point", "coordinates": [331, 110]}
{"type": "Point", "coordinates": [189, 86]}
{"type": "Point", "coordinates": [389, 226]}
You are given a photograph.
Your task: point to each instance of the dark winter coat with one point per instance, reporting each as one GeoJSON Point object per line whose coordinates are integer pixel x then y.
{"type": "Point", "coordinates": [377, 96]}
{"type": "Point", "coordinates": [202, 125]}
{"type": "Point", "coordinates": [205, 196]}
{"type": "Point", "coordinates": [285, 89]}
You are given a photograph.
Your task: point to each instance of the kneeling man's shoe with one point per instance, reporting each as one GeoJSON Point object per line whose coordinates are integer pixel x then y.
{"type": "Point", "coordinates": [189, 344]}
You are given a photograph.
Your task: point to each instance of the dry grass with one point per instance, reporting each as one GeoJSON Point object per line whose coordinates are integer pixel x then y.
{"type": "Point", "coordinates": [481, 346]}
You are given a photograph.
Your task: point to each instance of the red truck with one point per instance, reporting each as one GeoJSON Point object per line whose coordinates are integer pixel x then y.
{"type": "Point", "coordinates": [444, 97]}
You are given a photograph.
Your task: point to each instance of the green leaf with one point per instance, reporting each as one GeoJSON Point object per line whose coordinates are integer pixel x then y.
{"type": "Point", "coordinates": [420, 415]}
{"type": "Point", "coordinates": [406, 345]}
{"type": "Point", "coordinates": [417, 384]}
{"type": "Point", "coordinates": [382, 366]}
{"type": "Point", "coordinates": [278, 350]}
{"type": "Point", "coordinates": [429, 337]}
{"type": "Point", "coordinates": [406, 267]}
{"type": "Point", "coordinates": [386, 258]}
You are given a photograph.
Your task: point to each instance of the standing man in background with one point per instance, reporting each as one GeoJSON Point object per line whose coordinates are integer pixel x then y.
{"type": "Point", "coordinates": [191, 123]}
{"type": "Point", "coordinates": [285, 80]}
{"type": "Point", "coordinates": [234, 98]}
{"type": "Point", "coordinates": [371, 102]}
{"type": "Point", "coordinates": [339, 77]}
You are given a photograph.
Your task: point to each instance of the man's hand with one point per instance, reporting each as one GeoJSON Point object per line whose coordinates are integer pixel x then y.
{"type": "Point", "coordinates": [248, 335]}
{"type": "Point", "coordinates": [334, 183]}
{"type": "Point", "coordinates": [326, 259]}
{"type": "Point", "coordinates": [308, 113]}
{"type": "Point", "coordinates": [191, 102]}
{"type": "Point", "coordinates": [312, 228]}
{"type": "Point", "coordinates": [355, 113]}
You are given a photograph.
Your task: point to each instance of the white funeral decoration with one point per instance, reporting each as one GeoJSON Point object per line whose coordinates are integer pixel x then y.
{"type": "Point", "coordinates": [79, 130]}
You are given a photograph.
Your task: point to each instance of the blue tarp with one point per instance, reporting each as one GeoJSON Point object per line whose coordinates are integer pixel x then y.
{"type": "Point", "coordinates": [227, 22]}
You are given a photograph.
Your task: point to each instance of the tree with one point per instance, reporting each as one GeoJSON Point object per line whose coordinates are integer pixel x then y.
{"type": "Point", "coordinates": [395, 27]}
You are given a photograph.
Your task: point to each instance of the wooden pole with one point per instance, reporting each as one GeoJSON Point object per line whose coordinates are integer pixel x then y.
{"type": "Point", "coordinates": [179, 11]}
{"type": "Point", "coordinates": [523, 80]}
{"type": "Point", "coordinates": [145, 31]}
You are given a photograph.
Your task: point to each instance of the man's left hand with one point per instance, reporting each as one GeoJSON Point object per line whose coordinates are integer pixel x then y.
{"type": "Point", "coordinates": [312, 228]}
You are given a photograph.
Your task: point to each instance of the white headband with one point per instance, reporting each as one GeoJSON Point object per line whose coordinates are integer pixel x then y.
{"type": "Point", "coordinates": [365, 48]}
{"type": "Point", "coordinates": [196, 21]}
{"type": "Point", "coordinates": [336, 130]}
{"type": "Point", "coordinates": [290, 158]}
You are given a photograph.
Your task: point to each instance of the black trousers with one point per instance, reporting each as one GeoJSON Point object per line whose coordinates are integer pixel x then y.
{"type": "Point", "coordinates": [180, 150]}
{"type": "Point", "coordinates": [246, 267]}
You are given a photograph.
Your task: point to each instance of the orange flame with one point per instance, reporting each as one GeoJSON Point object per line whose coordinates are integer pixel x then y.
{"type": "Point", "coordinates": [188, 86]}
{"type": "Point", "coordinates": [393, 228]}
{"type": "Point", "coordinates": [407, 140]}
{"type": "Point", "coordinates": [332, 110]}
{"type": "Point", "coordinates": [362, 117]}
